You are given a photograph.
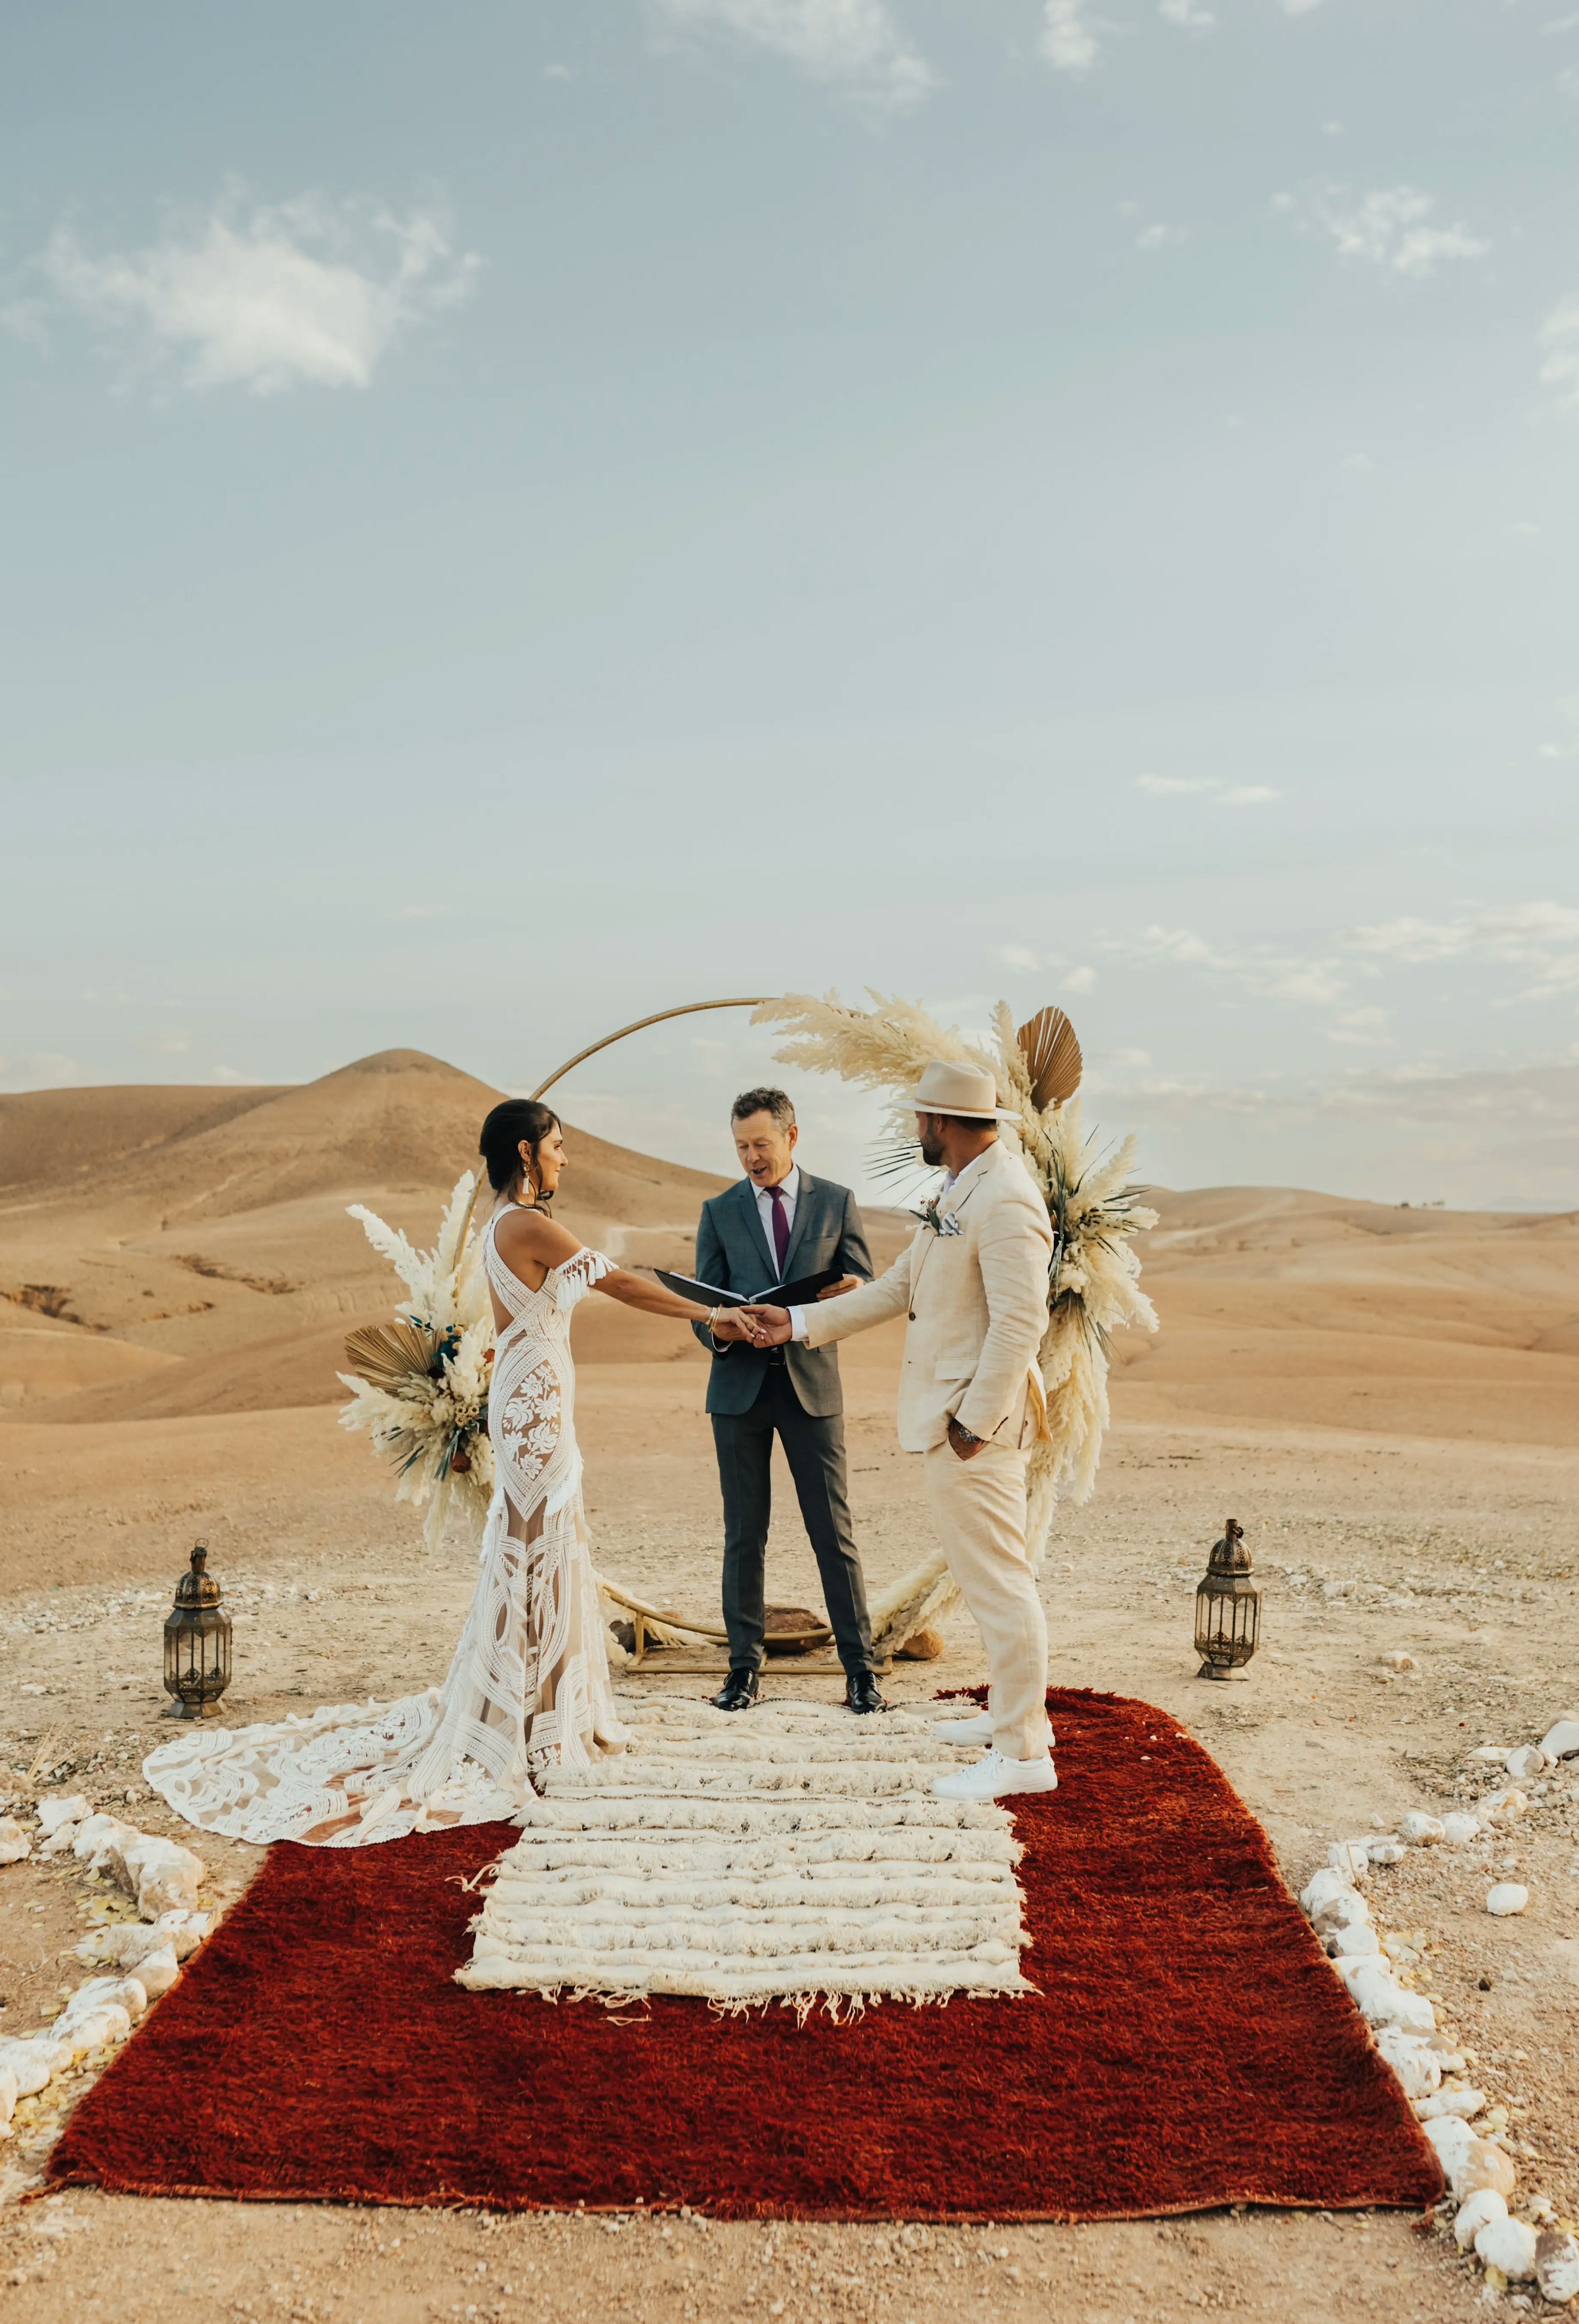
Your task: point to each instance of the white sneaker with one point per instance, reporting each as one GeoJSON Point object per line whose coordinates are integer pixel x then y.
{"type": "Point", "coordinates": [977, 1729]}
{"type": "Point", "coordinates": [993, 1775]}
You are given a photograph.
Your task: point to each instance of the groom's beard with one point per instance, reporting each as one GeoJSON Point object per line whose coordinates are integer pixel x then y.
{"type": "Point", "coordinates": [931, 1152]}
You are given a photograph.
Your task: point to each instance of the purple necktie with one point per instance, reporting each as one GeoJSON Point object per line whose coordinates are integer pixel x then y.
{"type": "Point", "coordinates": [780, 1227]}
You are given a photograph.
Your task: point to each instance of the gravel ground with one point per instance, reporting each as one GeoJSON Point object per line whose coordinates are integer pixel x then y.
{"type": "Point", "coordinates": [1462, 1560]}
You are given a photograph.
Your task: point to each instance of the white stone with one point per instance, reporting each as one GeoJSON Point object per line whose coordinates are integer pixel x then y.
{"type": "Point", "coordinates": [157, 1972]}
{"type": "Point", "coordinates": [1415, 2064]}
{"type": "Point", "coordinates": [1466, 2104]}
{"type": "Point", "coordinates": [1382, 2002]}
{"type": "Point", "coordinates": [1352, 1858]}
{"type": "Point", "coordinates": [1510, 2244]}
{"type": "Point", "coordinates": [59, 1841]}
{"type": "Point", "coordinates": [1358, 1941]}
{"type": "Point", "coordinates": [98, 1841]}
{"type": "Point", "coordinates": [1323, 1889]}
{"type": "Point", "coordinates": [1388, 1852]}
{"type": "Point", "coordinates": [1421, 1829]}
{"type": "Point", "coordinates": [1562, 1741]}
{"type": "Point", "coordinates": [61, 1807]}
{"type": "Point", "coordinates": [1491, 1755]}
{"type": "Point", "coordinates": [1527, 1762]}
{"type": "Point", "coordinates": [7, 2092]}
{"type": "Point", "coordinates": [1485, 2165]}
{"type": "Point", "coordinates": [1556, 2267]}
{"type": "Point", "coordinates": [1396, 1659]}
{"type": "Point", "coordinates": [1458, 1828]}
{"type": "Point", "coordinates": [1508, 1801]}
{"type": "Point", "coordinates": [96, 1993]}
{"type": "Point", "coordinates": [1452, 2139]}
{"type": "Point", "coordinates": [164, 1877]}
{"type": "Point", "coordinates": [183, 1933]}
{"type": "Point", "coordinates": [1478, 2212]}
{"type": "Point", "coordinates": [129, 1943]}
{"type": "Point", "coordinates": [15, 1843]}
{"type": "Point", "coordinates": [1348, 1909]}
{"type": "Point", "coordinates": [1507, 1897]}
{"type": "Point", "coordinates": [93, 2029]}
{"type": "Point", "coordinates": [33, 2060]}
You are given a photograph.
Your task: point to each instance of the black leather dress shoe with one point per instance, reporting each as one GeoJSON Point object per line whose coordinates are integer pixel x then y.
{"type": "Point", "coordinates": [862, 1693]}
{"type": "Point", "coordinates": [738, 1693]}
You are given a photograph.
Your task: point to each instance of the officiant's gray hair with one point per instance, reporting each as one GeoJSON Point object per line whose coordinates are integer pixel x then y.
{"type": "Point", "coordinates": [774, 1101]}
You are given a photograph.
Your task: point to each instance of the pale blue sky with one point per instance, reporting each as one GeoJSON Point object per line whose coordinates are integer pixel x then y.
{"type": "Point", "coordinates": [514, 516]}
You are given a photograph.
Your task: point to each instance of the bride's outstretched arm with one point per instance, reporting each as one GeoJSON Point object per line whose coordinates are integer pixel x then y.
{"type": "Point", "coordinates": [530, 1242]}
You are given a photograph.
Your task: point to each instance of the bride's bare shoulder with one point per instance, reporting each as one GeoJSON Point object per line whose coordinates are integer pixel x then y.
{"type": "Point", "coordinates": [520, 1233]}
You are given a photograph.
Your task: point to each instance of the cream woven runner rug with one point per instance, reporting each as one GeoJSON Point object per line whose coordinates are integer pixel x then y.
{"type": "Point", "coordinates": [788, 1852]}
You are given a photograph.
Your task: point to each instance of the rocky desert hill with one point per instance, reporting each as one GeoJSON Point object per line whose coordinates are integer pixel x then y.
{"type": "Point", "coordinates": [166, 1253]}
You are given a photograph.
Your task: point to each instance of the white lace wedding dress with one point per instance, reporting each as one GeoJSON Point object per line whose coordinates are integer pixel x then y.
{"type": "Point", "coordinates": [528, 1687]}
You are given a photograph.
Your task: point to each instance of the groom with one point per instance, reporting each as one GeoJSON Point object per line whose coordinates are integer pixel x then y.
{"type": "Point", "coordinates": [973, 1286]}
{"type": "Point", "coordinates": [776, 1221]}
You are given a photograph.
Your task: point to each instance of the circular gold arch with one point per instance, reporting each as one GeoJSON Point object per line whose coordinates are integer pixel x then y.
{"type": "Point", "coordinates": [659, 1017]}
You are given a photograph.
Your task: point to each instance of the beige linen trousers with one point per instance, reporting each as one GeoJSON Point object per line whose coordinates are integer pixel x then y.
{"type": "Point", "coordinates": [974, 1297]}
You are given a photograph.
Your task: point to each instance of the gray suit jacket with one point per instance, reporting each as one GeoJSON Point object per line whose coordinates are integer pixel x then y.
{"type": "Point", "coordinates": [732, 1251]}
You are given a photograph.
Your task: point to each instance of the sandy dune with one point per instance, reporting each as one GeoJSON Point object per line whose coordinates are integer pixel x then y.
{"type": "Point", "coordinates": [208, 1266]}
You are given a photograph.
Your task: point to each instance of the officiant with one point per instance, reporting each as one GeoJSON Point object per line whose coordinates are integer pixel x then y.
{"type": "Point", "coordinates": [776, 1222]}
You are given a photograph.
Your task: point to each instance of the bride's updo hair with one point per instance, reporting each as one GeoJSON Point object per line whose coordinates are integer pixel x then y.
{"type": "Point", "coordinates": [500, 1144]}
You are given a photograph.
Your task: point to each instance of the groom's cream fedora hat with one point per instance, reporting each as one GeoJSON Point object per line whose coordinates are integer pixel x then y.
{"type": "Point", "coordinates": [964, 1090]}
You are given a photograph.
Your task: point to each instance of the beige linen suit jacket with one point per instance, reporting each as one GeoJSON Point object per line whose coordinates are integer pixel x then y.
{"type": "Point", "coordinates": [977, 1306]}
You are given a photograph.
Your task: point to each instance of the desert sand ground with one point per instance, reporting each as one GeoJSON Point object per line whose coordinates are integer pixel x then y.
{"type": "Point", "coordinates": [1385, 1398]}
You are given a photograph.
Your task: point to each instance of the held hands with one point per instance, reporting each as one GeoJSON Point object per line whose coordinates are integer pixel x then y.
{"type": "Point", "coordinates": [769, 1326]}
{"type": "Point", "coordinates": [724, 1323]}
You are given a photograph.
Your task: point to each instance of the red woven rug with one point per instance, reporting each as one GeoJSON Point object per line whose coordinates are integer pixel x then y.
{"type": "Point", "coordinates": [1189, 2047]}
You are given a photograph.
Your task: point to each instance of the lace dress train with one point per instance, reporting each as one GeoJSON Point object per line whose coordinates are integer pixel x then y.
{"type": "Point", "coordinates": [528, 1686]}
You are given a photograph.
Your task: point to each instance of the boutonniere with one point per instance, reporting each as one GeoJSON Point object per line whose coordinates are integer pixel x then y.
{"type": "Point", "coordinates": [941, 1223]}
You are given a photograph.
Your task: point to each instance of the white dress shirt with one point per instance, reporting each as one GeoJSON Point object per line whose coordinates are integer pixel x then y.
{"type": "Point", "coordinates": [790, 1187]}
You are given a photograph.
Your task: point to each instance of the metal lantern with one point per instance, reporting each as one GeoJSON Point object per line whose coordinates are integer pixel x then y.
{"type": "Point", "coordinates": [1227, 1607]}
{"type": "Point", "coordinates": [196, 1644]}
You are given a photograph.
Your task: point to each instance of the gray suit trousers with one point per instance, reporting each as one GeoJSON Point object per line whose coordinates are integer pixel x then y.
{"type": "Point", "coordinates": [813, 1446]}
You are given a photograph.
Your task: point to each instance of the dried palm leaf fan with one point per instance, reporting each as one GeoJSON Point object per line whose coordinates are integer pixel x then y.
{"type": "Point", "coordinates": [1053, 1057]}
{"type": "Point", "coordinates": [390, 1354]}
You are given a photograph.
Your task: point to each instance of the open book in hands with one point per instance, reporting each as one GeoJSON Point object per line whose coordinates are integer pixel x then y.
{"type": "Point", "coordinates": [798, 1294]}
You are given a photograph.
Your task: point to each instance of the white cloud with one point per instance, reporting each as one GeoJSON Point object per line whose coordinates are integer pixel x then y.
{"type": "Point", "coordinates": [1188, 14]}
{"type": "Point", "coordinates": [1030, 962]}
{"type": "Point", "coordinates": [301, 292]}
{"type": "Point", "coordinates": [854, 43]}
{"type": "Point", "coordinates": [1161, 237]}
{"type": "Point", "coordinates": [1362, 1028]}
{"type": "Point", "coordinates": [1559, 336]}
{"type": "Point", "coordinates": [1205, 787]}
{"type": "Point", "coordinates": [1387, 229]}
{"type": "Point", "coordinates": [1068, 41]}
{"type": "Point", "coordinates": [1256, 970]}
{"type": "Point", "coordinates": [1542, 937]}
{"type": "Point", "coordinates": [1297, 7]}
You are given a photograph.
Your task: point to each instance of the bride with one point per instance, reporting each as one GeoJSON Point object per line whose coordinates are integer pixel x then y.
{"type": "Point", "coordinates": [528, 1687]}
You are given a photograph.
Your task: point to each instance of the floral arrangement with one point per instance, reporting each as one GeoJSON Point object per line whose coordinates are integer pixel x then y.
{"type": "Point", "coordinates": [1094, 1209]}
{"type": "Point", "coordinates": [420, 1385]}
